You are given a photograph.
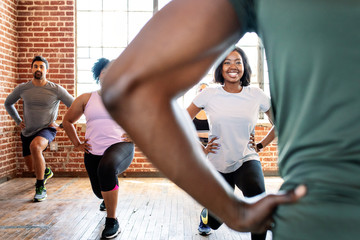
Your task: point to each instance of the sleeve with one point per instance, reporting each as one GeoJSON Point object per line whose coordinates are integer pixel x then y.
{"type": "Point", "coordinates": [11, 99]}
{"type": "Point", "coordinates": [202, 98]}
{"type": "Point", "coordinates": [65, 96]}
{"type": "Point", "coordinates": [264, 100]}
{"type": "Point", "coordinates": [245, 10]}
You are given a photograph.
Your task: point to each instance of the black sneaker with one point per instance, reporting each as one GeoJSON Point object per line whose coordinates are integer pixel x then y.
{"type": "Point", "coordinates": [111, 229]}
{"type": "Point", "coordinates": [102, 206]}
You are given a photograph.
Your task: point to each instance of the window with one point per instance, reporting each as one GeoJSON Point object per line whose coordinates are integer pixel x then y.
{"type": "Point", "coordinates": [98, 36]}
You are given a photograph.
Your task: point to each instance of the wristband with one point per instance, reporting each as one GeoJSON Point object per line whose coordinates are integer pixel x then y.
{"type": "Point", "coordinates": [259, 146]}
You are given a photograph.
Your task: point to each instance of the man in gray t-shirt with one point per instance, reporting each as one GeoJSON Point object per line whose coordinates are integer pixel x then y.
{"type": "Point", "coordinates": [41, 100]}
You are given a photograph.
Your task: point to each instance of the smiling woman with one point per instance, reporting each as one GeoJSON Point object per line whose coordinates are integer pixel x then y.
{"type": "Point", "coordinates": [232, 109]}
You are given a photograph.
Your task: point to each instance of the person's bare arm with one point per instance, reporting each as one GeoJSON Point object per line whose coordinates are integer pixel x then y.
{"type": "Point", "coordinates": [270, 136]}
{"type": "Point", "coordinates": [72, 115]}
{"type": "Point", "coordinates": [170, 54]}
{"type": "Point", "coordinates": [212, 146]}
{"type": "Point", "coordinates": [193, 110]}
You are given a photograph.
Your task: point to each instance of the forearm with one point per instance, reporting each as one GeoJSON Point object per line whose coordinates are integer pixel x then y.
{"type": "Point", "coordinates": [270, 136]}
{"type": "Point", "coordinates": [71, 132]}
{"type": "Point", "coordinates": [10, 108]}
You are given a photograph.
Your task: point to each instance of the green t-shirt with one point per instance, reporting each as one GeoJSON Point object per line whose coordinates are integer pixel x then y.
{"type": "Point", "coordinates": [313, 54]}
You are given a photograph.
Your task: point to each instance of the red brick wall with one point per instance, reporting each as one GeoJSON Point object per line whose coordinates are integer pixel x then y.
{"type": "Point", "coordinates": [66, 160]}
{"type": "Point", "coordinates": [8, 58]}
{"type": "Point", "coordinates": [268, 155]}
{"type": "Point", "coordinates": [47, 28]}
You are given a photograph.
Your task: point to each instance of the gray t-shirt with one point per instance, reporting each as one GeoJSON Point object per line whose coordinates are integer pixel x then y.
{"type": "Point", "coordinates": [40, 105]}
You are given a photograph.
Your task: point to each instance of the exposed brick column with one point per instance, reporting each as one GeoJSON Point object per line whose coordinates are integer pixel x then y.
{"type": "Point", "coordinates": [8, 59]}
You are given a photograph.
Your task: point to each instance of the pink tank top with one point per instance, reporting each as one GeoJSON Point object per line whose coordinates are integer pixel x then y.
{"type": "Point", "coordinates": [101, 130]}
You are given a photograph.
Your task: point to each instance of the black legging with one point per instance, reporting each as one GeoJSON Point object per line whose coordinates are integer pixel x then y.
{"type": "Point", "coordinates": [249, 179]}
{"type": "Point", "coordinates": [103, 170]}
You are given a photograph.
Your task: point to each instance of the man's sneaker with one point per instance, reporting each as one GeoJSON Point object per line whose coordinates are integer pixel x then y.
{"type": "Point", "coordinates": [111, 229]}
{"type": "Point", "coordinates": [102, 206]}
{"type": "Point", "coordinates": [203, 228]}
{"type": "Point", "coordinates": [48, 175]}
{"type": "Point", "coordinates": [40, 194]}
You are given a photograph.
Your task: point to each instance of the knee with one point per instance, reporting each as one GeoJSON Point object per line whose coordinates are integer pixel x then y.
{"type": "Point", "coordinates": [106, 169]}
{"type": "Point", "coordinates": [35, 147]}
{"type": "Point", "coordinates": [97, 193]}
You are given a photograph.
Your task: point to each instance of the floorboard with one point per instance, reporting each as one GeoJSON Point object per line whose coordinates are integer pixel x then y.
{"type": "Point", "coordinates": [148, 209]}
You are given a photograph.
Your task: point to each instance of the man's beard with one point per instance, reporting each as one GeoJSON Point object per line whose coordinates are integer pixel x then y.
{"type": "Point", "coordinates": [38, 75]}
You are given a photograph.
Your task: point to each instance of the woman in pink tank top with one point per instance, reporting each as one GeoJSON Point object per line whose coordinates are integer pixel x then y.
{"type": "Point", "coordinates": [108, 151]}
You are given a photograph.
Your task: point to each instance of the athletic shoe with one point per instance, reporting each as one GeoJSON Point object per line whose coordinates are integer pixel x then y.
{"type": "Point", "coordinates": [203, 228]}
{"type": "Point", "coordinates": [111, 229]}
{"type": "Point", "coordinates": [48, 175]}
{"type": "Point", "coordinates": [40, 194]}
{"type": "Point", "coordinates": [102, 206]}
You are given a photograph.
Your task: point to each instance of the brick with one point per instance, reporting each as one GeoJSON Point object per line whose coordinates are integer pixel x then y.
{"type": "Point", "coordinates": [51, 8]}
{"type": "Point", "coordinates": [48, 19]}
{"type": "Point", "coordinates": [35, 8]}
{"type": "Point", "coordinates": [41, 3]}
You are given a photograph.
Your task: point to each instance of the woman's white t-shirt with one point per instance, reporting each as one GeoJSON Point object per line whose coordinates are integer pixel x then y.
{"type": "Point", "coordinates": [232, 118]}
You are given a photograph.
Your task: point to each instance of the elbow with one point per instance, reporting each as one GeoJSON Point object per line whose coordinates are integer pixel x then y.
{"type": "Point", "coordinates": [117, 93]}
{"type": "Point", "coordinates": [7, 105]}
{"type": "Point", "coordinates": [65, 124]}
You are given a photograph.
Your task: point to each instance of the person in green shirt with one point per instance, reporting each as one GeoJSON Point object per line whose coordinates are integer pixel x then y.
{"type": "Point", "coordinates": [313, 56]}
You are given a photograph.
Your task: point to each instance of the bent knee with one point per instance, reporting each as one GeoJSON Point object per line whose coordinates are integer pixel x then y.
{"type": "Point", "coordinates": [37, 146]}
{"type": "Point", "coordinates": [108, 168]}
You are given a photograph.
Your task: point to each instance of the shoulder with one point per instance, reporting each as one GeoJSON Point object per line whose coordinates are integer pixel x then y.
{"type": "Point", "coordinates": [25, 85]}
{"type": "Point", "coordinates": [207, 94]}
{"type": "Point", "coordinates": [57, 87]}
{"type": "Point", "coordinates": [84, 98]}
{"type": "Point", "coordinates": [212, 90]}
{"type": "Point", "coordinates": [22, 87]}
{"type": "Point", "coordinates": [246, 13]}
{"type": "Point", "coordinates": [81, 101]}
{"type": "Point", "coordinates": [254, 90]}
{"type": "Point", "coordinates": [53, 85]}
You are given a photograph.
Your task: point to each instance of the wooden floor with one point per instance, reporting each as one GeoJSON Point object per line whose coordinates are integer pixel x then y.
{"type": "Point", "coordinates": [148, 209]}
